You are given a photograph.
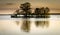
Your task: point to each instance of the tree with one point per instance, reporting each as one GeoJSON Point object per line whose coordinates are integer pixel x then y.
{"type": "Point", "coordinates": [42, 11]}
{"type": "Point", "coordinates": [26, 7]}
{"type": "Point", "coordinates": [46, 10]}
{"type": "Point", "coordinates": [37, 10]}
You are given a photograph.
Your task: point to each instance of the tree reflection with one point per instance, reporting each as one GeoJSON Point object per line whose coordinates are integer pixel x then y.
{"type": "Point", "coordinates": [26, 26]}
{"type": "Point", "coordinates": [42, 23]}
{"type": "Point", "coordinates": [17, 22]}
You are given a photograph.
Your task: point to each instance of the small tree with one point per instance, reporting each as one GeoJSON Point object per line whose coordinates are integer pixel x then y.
{"type": "Point", "coordinates": [37, 10]}
{"type": "Point", "coordinates": [47, 10]}
{"type": "Point", "coordinates": [42, 10]}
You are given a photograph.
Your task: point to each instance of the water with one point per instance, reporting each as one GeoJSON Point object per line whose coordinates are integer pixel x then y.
{"type": "Point", "coordinates": [32, 26]}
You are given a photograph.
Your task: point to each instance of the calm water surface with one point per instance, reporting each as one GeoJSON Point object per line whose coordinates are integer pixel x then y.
{"type": "Point", "coordinates": [32, 26]}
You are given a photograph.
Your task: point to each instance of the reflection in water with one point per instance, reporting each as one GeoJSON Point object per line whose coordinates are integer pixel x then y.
{"type": "Point", "coordinates": [42, 23]}
{"type": "Point", "coordinates": [17, 22]}
{"type": "Point", "coordinates": [26, 26]}
{"type": "Point", "coordinates": [31, 26]}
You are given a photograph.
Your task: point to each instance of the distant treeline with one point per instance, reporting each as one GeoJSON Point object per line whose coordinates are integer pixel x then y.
{"type": "Point", "coordinates": [25, 9]}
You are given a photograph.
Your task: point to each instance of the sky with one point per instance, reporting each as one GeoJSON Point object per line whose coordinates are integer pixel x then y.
{"type": "Point", "coordinates": [35, 3]}
{"type": "Point", "coordinates": [20, 1]}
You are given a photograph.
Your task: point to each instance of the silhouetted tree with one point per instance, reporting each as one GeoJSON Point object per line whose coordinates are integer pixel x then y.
{"type": "Point", "coordinates": [37, 10]}
{"type": "Point", "coordinates": [26, 7]}
{"type": "Point", "coordinates": [42, 11]}
{"type": "Point", "coordinates": [46, 10]}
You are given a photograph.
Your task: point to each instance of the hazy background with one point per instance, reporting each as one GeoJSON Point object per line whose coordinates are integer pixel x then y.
{"type": "Point", "coordinates": [14, 4]}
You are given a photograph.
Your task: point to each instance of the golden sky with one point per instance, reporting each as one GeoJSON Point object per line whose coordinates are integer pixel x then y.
{"type": "Point", "coordinates": [35, 3]}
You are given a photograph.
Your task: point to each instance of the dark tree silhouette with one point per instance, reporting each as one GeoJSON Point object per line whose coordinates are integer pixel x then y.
{"type": "Point", "coordinates": [37, 10]}
{"type": "Point", "coordinates": [42, 11]}
{"type": "Point", "coordinates": [26, 7]}
{"type": "Point", "coordinates": [46, 10]}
